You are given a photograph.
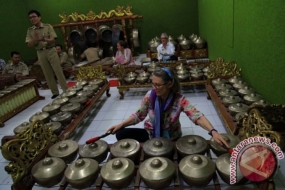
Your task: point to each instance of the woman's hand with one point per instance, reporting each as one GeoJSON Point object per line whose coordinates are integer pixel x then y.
{"type": "Point", "coordinates": [114, 128]}
{"type": "Point", "coordinates": [219, 139]}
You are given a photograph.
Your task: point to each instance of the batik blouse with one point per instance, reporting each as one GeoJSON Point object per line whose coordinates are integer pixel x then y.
{"type": "Point", "coordinates": [170, 117]}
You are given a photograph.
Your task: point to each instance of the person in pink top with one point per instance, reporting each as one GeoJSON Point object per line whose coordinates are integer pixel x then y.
{"type": "Point", "coordinates": [124, 54]}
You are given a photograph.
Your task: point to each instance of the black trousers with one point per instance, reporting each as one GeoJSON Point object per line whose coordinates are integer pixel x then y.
{"type": "Point", "coordinates": [141, 135]}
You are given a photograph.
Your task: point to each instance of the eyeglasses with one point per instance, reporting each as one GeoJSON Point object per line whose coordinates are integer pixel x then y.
{"type": "Point", "coordinates": [30, 17]}
{"type": "Point", "coordinates": [157, 85]}
{"type": "Point", "coordinates": [163, 38]}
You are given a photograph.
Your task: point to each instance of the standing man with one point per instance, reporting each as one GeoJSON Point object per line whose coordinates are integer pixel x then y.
{"type": "Point", "coordinates": [166, 49]}
{"type": "Point", "coordinates": [43, 36]}
{"type": "Point", "coordinates": [17, 67]}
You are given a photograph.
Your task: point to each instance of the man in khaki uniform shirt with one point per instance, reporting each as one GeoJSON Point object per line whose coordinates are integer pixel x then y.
{"type": "Point", "coordinates": [64, 60]}
{"type": "Point", "coordinates": [43, 36]}
{"type": "Point", "coordinates": [17, 67]}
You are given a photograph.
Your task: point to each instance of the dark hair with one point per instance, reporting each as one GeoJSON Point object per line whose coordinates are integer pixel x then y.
{"type": "Point", "coordinates": [166, 78]}
{"type": "Point", "coordinates": [59, 46]}
{"type": "Point", "coordinates": [34, 11]}
{"type": "Point", "coordinates": [122, 43]}
{"type": "Point", "coordinates": [14, 52]}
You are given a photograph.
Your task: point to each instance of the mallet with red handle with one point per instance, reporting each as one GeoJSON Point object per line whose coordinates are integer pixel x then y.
{"type": "Point", "coordinates": [94, 139]}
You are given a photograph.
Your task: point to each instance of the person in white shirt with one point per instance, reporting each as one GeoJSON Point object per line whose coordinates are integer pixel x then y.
{"type": "Point", "coordinates": [166, 49]}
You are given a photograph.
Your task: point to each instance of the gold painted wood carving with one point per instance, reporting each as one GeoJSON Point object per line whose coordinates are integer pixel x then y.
{"type": "Point", "coordinates": [220, 68]}
{"type": "Point", "coordinates": [90, 72]}
{"type": "Point", "coordinates": [76, 17]}
{"type": "Point", "coordinates": [25, 148]}
{"type": "Point", "coordinates": [259, 122]}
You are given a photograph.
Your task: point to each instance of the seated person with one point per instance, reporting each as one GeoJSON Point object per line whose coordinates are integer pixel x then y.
{"type": "Point", "coordinates": [166, 50]}
{"type": "Point", "coordinates": [17, 67]}
{"type": "Point", "coordinates": [64, 60]}
{"type": "Point", "coordinates": [91, 53]}
{"type": "Point", "coordinates": [124, 54]}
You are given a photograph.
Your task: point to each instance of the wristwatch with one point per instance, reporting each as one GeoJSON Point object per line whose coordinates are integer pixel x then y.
{"type": "Point", "coordinates": [211, 131]}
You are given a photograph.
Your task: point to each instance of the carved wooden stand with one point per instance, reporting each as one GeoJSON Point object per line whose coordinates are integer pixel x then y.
{"type": "Point", "coordinates": [29, 147]}
{"type": "Point", "coordinates": [77, 21]}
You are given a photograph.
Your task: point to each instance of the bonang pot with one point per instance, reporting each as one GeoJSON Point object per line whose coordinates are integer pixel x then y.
{"type": "Point", "coordinates": [87, 93]}
{"type": "Point", "coordinates": [251, 98]}
{"type": "Point", "coordinates": [76, 88]}
{"type": "Point", "coordinates": [63, 117]}
{"type": "Point", "coordinates": [56, 127]}
{"type": "Point", "coordinates": [232, 141]}
{"type": "Point", "coordinates": [181, 66]}
{"type": "Point", "coordinates": [153, 46]}
{"type": "Point", "coordinates": [235, 79]}
{"type": "Point", "coordinates": [22, 127]}
{"type": "Point", "coordinates": [93, 87]}
{"type": "Point", "coordinates": [78, 99]}
{"type": "Point", "coordinates": [185, 44]}
{"type": "Point", "coordinates": [66, 150]}
{"type": "Point", "coordinates": [51, 108]}
{"type": "Point", "coordinates": [157, 172]}
{"type": "Point", "coordinates": [197, 76]}
{"type": "Point", "coordinates": [183, 77]}
{"type": "Point", "coordinates": [223, 165]}
{"type": "Point", "coordinates": [182, 72]}
{"type": "Point", "coordinates": [240, 84]}
{"type": "Point", "coordinates": [97, 150]}
{"type": "Point", "coordinates": [236, 108]}
{"type": "Point", "coordinates": [261, 103]}
{"type": "Point", "coordinates": [60, 100]}
{"type": "Point", "coordinates": [130, 80]}
{"type": "Point", "coordinates": [118, 173]}
{"type": "Point", "coordinates": [171, 40]}
{"type": "Point", "coordinates": [195, 71]}
{"type": "Point", "coordinates": [197, 170]}
{"type": "Point", "coordinates": [180, 38]}
{"type": "Point", "coordinates": [218, 81]}
{"type": "Point", "coordinates": [69, 93]}
{"type": "Point", "coordinates": [81, 83]}
{"type": "Point", "coordinates": [228, 100]}
{"type": "Point", "coordinates": [246, 90]}
{"type": "Point", "coordinates": [144, 74]}
{"type": "Point", "coordinates": [131, 74]}
{"type": "Point", "coordinates": [126, 148]}
{"type": "Point", "coordinates": [159, 147]}
{"type": "Point", "coordinates": [200, 43]}
{"type": "Point", "coordinates": [82, 173]}
{"type": "Point", "coordinates": [223, 86]}
{"type": "Point", "coordinates": [43, 116]}
{"type": "Point", "coordinates": [227, 92]}
{"type": "Point", "coordinates": [98, 82]}
{"type": "Point", "coordinates": [49, 171]}
{"type": "Point", "coordinates": [191, 144]}
{"type": "Point", "coordinates": [240, 115]}
{"type": "Point", "coordinates": [142, 80]}
{"type": "Point", "coordinates": [71, 107]}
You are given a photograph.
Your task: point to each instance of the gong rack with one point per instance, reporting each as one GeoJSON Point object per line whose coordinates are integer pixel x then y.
{"type": "Point", "coordinates": [79, 21]}
{"type": "Point", "coordinates": [261, 121]}
{"type": "Point", "coordinates": [177, 182]}
{"type": "Point", "coordinates": [120, 71]}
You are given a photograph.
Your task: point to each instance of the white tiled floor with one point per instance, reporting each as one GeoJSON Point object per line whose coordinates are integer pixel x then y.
{"type": "Point", "coordinates": [110, 111]}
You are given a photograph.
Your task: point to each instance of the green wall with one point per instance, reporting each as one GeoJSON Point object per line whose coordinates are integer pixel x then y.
{"type": "Point", "coordinates": [173, 17]}
{"type": "Point", "coordinates": [252, 33]}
